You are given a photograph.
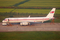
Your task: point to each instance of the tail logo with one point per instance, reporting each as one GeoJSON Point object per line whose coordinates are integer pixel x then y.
{"type": "Point", "coordinates": [52, 12]}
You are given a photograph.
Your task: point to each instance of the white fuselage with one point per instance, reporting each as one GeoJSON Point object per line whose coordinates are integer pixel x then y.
{"type": "Point", "coordinates": [27, 19]}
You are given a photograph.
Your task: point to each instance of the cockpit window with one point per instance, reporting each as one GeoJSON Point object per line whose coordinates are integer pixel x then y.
{"type": "Point", "coordinates": [5, 19]}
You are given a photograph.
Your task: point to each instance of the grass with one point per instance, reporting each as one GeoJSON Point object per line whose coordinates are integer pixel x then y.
{"type": "Point", "coordinates": [8, 3]}
{"type": "Point", "coordinates": [41, 3]}
{"type": "Point", "coordinates": [39, 35]}
{"type": "Point", "coordinates": [43, 11]}
{"type": "Point", "coordinates": [5, 10]}
{"type": "Point", "coordinates": [30, 3]}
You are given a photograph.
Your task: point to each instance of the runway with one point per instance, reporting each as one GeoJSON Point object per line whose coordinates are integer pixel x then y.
{"type": "Point", "coordinates": [33, 27]}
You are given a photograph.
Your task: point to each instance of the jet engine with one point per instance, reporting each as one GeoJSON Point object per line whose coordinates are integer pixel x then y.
{"type": "Point", "coordinates": [24, 23]}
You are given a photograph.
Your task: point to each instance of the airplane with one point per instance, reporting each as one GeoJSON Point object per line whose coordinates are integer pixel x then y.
{"type": "Point", "coordinates": [28, 20]}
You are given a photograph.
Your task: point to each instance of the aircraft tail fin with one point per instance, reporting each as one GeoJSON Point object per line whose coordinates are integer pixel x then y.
{"type": "Point", "coordinates": [51, 13]}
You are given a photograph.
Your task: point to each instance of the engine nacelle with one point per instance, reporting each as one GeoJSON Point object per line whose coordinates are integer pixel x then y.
{"type": "Point", "coordinates": [24, 23]}
{"type": "Point", "coordinates": [4, 24]}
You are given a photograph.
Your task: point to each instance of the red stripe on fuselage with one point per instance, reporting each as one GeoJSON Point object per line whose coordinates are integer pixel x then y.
{"type": "Point", "coordinates": [27, 19]}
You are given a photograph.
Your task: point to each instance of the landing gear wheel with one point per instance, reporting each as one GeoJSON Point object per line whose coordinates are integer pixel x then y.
{"type": "Point", "coordinates": [28, 23]}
